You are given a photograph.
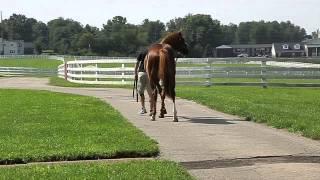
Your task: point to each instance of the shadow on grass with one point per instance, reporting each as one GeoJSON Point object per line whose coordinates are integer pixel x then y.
{"type": "Point", "coordinates": [55, 158]}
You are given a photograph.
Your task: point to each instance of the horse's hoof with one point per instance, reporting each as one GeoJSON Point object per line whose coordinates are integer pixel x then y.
{"type": "Point", "coordinates": [152, 118]}
{"type": "Point", "coordinates": [175, 120]}
{"type": "Point", "coordinates": [164, 111]}
{"type": "Point", "coordinates": [161, 116]}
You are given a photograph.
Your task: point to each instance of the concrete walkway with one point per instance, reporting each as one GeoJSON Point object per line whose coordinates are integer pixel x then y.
{"type": "Point", "coordinates": [210, 144]}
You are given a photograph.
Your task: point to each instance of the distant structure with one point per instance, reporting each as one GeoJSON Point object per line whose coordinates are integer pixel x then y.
{"type": "Point", "coordinates": [15, 47]}
{"type": "Point", "coordinates": [316, 35]}
{"type": "Point", "coordinates": [307, 48]}
{"type": "Point", "coordinates": [296, 49]}
{"type": "Point", "coordinates": [312, 47]}
{"type": "Point", "coordinates": [251, 50]}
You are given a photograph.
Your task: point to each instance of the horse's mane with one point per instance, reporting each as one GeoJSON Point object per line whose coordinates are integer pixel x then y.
{"type": "Point", "coordinates": [170, 38]}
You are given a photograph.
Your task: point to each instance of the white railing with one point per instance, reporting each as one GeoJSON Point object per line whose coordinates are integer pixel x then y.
{"type": "Point", "coordinates": [60, 58]}
{"type": "Point", "coordinates": [25, 71]}
{"type": "Point", "coordinates": [116, 71]}
{"type": "Point", "coordinates": [24, 56]}
{"type": "Point", "coordinates": [199, 71]}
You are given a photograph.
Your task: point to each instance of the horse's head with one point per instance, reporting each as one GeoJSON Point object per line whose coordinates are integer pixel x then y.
{"type": "Point", "coordinates": [177, 42]}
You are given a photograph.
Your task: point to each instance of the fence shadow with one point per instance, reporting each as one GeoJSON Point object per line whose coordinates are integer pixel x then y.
{"type": "Point", "coordinates": [208, 120]}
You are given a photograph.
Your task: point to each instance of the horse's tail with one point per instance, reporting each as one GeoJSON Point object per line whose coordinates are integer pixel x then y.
{"type": "Point", "coordinates": [167, 73]}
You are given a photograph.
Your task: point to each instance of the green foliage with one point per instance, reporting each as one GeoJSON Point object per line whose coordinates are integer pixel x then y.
{"type": "Point", "coordinates": [269, 32]}
{"type": "Point", "coordinates": [201, 32]}
{"type": "Point", "coordinates": [296, 109]}
{"type": "Point", "coordinates": [119, 38]}
{"type": "Point", "coordinates": [149, 169]}
{"type": "Point", "coordinates": [64, 35]}
{"type": "Point", "coordinates": [47, 126]}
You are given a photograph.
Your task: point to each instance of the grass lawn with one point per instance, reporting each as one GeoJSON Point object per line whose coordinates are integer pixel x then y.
{"type": "Point", "coordinates": [150, 169]}
{"type": "Point", "coordinates": [46, 126]}
{"type": "Point", "coordinates": [296, 109]}
{"type": "Point", "coordinates": [32, 63]}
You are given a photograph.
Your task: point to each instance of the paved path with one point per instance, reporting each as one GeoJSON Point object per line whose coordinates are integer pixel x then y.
{"type": "Point", "coordinates": [210, 144]}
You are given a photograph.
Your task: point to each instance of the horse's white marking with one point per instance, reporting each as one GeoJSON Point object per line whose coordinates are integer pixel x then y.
{"type": "Point", "coordinates": [175, 117]}
{"type": "Point", "coordinates": [161, 83]}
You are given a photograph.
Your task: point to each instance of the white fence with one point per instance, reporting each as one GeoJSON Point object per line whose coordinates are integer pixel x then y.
{"type": "Point", "coordinates": [196, 71]}
{"type": "Point", "coordinates": [116, 71]}
{"type": "Point", "coordinates": [24, 71]}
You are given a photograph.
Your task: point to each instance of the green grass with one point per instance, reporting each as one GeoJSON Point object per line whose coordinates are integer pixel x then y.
{"type": "Point", "coordinates": [296, 109]}
{"type": "Point", "coordinates": [45, 126]}
{"type": "Point", "coordinates": [32, 63]}
{"type": "Point", "coordinates": [150, 169]}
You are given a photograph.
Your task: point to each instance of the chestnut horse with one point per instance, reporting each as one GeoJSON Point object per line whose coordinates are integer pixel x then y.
{"type": "Point", "coordinates": [160, 66]}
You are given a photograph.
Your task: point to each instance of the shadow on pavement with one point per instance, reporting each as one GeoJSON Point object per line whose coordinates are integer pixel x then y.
{"type": "Point", "coordinates": [208, 120]}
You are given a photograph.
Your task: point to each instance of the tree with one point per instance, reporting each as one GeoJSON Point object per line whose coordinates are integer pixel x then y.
{"type": "Point", "coordinates": [64, 35]}
{"type": "Point", "coordinates": [229, 34]}
{"type": "Point", "coordinates": [153, 30]}
{"type": "Point", "coordinates": [40, 36]}
{"type": "Point", "coordinates": [19, 27]}
{"type": "Point", "coordinates": [201, 32]}
{"type": "Point", "coordinates": [316, 34]}
{"type": "Point", "coordinates": [120, 36]}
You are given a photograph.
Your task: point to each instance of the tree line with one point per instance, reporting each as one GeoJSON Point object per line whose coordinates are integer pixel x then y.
{"type": "Point", "coordinates": [120, 38]}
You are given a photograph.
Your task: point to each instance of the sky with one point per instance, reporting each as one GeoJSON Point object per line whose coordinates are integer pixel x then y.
{"type": "Point", "coordinates": [304, 13]}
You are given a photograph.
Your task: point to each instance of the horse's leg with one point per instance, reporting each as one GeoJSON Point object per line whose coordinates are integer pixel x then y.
{"type": "Point", "coordinates": [163, 96]}
{"type": "Point", "coordinates": [162, 93]}
{"type": "Point", "coordinates": [175, 117]}
{"type": "Point", "coordinates": [154, 103]}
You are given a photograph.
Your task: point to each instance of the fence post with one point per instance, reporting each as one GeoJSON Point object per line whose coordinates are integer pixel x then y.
{"type": "Point", "coordinates": [122, 74]}
{"type": "Point", "coordinates": [81, 72]}
{"type": "Point", "coordinates": [209, 73]}
{"type": "Point", "coordinates": [263, 73]}
{"type": "Point", "coordinates": [97, 72]}
{"type": "Point", "coordinates": [65, 71]}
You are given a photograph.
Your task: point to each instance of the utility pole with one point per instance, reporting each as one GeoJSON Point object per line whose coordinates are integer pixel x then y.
{"type": "Point", "coordinates": [2, 26]}
{"type": "Point", "coordinates": [2, 32]}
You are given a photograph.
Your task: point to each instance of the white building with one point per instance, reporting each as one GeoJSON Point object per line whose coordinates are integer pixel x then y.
{"type": "Point", "coordinates": [15, 47]}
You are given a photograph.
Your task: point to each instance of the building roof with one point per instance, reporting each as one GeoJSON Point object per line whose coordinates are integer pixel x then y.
{"type": "Point", "coordinates": [313, 41]}
{"type": "Point", "coordinates": [244, 46]}
{"type": "Point", "coordinates": [28, 45]}
{"type": "Point", "coordinates": [224, 47]}
{"type": "Point", "coordinates": [279, 47]}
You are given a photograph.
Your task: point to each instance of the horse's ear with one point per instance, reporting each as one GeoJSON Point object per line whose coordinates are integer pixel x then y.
{"type": "Point", "coordinates": [180, 33]}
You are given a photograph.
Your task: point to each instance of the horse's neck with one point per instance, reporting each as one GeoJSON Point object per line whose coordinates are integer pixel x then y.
{"type": "Point", "coordinates": [170, 45]}
{"type": "Point", "coordinates": [170, 49]}
{"type": "Point", "coordinates": [167, 41]}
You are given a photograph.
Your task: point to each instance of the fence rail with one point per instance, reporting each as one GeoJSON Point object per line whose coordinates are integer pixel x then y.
{"type": "Point", "coordinates": [198, 71]}
{"type": "Point", "coordinates": [27, 71]}
{"type": "Point", "coordinates": [23, 71]}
